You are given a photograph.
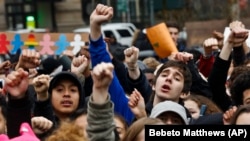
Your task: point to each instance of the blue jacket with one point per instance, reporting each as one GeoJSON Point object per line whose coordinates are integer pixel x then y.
{"type": "Point", "coordinates": [99, 54]}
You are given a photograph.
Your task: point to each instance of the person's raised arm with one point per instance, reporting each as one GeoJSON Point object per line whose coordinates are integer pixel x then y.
{"type": "Point", "coordinates": [5, 66]}
{"type": "Point", "coordinates": [102, 76]}
{"type": "Point", "coordinates": [79, 66]}
{"type": "Point", "coordinates": [240, 48]}
{"type": "Point", "coordinates": [100, 15]}
{"type": "Point", "coordinates": [100, 107]}
{"type": "Point", "coordinates": [131, 58]}
{"type": "Point", "coordinates": [136, 78]}
{"type": "Point", "coordinates": [40, 125]}
{"type": "Point", "coordinates": [42, 104]}
{"type": "Point", "coordinates": [206, 60]}
{"type": "Point", "coordinates": [28, 59]}
{"type": "Point", "coordinates": [219, 72]}
{"type": "Point", "coordinates": [236, 38]}
{"type": "Point", "coordinates": [41, 86]}
{"type": "Point", "coordinates": [19, 104]}
{"type": "Point", "coordinates": [137, 105]}
{"type": "Point", "coordinates": [17, 84]}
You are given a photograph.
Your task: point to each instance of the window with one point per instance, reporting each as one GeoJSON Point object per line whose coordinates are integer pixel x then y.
{"type": "Point", "coordinates": [124, 33]}
{"type": "Point", "coordinates": [131, 28]}
{"type": "Point", "coordinates": [108, 33]}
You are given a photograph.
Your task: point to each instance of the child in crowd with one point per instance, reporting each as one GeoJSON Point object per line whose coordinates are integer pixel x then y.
{"type": "Point", "coordinates": [199, 105]}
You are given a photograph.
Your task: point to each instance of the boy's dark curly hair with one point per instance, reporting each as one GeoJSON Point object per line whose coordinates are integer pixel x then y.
{"type": "Point", "coordinates": [238, 86]}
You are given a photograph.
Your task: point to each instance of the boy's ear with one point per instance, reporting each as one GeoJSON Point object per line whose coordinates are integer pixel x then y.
{"type": "Point", "coordinates": [184, 95]}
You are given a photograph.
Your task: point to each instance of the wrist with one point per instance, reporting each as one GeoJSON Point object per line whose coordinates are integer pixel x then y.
{"type": "Point", "coordinates": [42, 96]}
{"type": "Point", "coordinates": [77, 73]}
{"type": "Point", "coordinates": [141, 115]}
{"type": "Point", "coordinates": [99, 97]}
{"type": "Point", "coordinates": [206, 56]}
{"type": "Point", "coordinates": [238, 45]}
{"type": "Point", "coordinates": [18, 65]}
{"type": "Point", "coordinates": [16, 97]}
{"type": "Point", "coordinates": [132, 68]}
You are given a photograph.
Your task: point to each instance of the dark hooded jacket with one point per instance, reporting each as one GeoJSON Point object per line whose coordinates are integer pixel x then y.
{"type": "Point", "coordinates": [45, 109]}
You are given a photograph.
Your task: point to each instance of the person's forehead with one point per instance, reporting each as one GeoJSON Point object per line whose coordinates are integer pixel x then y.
{"type": "Point", "coordinates": [172, 29]}
{"type": "Point", "coordinates": [63, 81]}
{"type": "Point", "coordinates": [172, 69]}
{"type": "Point", "coordinates": [191, 103]}
{"type": "Point", "coordinates": [170, 114]}
{"type": "Point", "coordinates": [149, 74]}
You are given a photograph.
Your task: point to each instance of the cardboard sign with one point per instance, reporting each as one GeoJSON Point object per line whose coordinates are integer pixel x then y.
{"type": "Point", "coordinates": [44, 43]}
{"type": "Point", "coordinates": [227, 32]}
{"type": "Point", "coordinates": [161, 40]}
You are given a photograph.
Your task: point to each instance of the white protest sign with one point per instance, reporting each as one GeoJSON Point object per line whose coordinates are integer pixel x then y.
{"type": "Point", "coordinates": [227, 32]}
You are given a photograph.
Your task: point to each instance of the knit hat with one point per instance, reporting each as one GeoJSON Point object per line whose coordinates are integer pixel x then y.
{"type": "Point", "coordinates": [169, 106]}
{"type": "Point", "coordinates": [48, 65]}
{"type": "Point", "coordinates": [26, 134]}
{"type": "Point", "coordinates": [65, 75]}
{"type": "Point", "coordinates": [66, 62]}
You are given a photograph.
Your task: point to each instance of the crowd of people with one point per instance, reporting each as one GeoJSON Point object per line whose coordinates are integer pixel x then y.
{"type": "Point", "coordinates": [99, 95]}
